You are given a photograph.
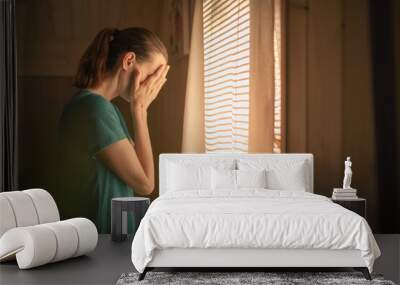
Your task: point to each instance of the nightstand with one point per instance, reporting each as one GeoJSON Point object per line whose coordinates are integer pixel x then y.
{"type": "Point", "coordinates": [119, 211]}
{"type": "Point", "coordinates": [358, 206]}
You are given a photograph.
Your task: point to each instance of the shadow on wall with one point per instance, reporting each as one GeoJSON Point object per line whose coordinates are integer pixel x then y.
{"type": "Point", "coordinates": [385, 49]}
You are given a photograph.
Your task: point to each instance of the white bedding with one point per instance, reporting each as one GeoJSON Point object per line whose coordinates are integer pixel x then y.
{"type": "Point", "coordinates": [250, 218]}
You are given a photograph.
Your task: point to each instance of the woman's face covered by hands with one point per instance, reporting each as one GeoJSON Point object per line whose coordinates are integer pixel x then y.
{"type": "Point", "coordinates": [143, 70]}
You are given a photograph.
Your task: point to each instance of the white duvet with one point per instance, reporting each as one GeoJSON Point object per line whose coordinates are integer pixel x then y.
{"type": "Point", "coordinates": [251, 218]}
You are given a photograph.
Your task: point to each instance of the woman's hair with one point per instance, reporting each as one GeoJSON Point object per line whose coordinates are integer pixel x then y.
{"type": "Point", "coordinates": [107, 49]}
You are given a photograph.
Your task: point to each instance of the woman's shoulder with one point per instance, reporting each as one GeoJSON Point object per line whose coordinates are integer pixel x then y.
{"type": "Point", "coordinates": [91, 103]}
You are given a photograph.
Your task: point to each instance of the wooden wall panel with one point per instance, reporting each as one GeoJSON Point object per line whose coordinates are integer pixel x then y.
{"type": "Point", "coordinates": [52, 35]}
{"type": "Point", "coordinates": [324, 105]}
{"type": "Point", "coordinates": [40, 103]}
{"type": "Point", "coordinates": [358, 111]}
{"type": "Point", "coordinates": [166, 114]}
{"type": "Point", "coordinates": [396, 32]}
{"type": "Point", "coordinates": [296, 100]}
{"type": "Point", "coordinates": [330, 108]}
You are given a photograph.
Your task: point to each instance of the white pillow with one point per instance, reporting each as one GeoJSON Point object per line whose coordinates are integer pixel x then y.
{"type": "Point", "coordinates": [293, 179]}
{"type": "Point", "coordinates": [251, 178]}
{"type": "Point", "coordinates": [188, 177]}
{"type": "Point", "coordinates": [223, 179]}
{"type": "Point", "coordinates": [282, 174]}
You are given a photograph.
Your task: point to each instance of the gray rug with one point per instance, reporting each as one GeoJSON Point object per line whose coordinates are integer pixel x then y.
{"type": "Point", "coordinates": [231, 278]}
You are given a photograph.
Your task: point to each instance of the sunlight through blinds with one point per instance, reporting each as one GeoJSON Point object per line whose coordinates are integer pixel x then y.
{"type": "Point", "coordinates": [226, 25]}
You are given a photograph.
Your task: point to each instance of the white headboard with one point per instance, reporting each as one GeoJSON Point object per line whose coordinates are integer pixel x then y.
{"type": "Point", "coordinates": [164, 157]}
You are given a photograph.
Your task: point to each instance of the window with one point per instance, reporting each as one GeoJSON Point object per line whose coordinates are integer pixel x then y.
{"type": "Point", "coordinates": [226, 42]}
{"type": "Point", "coordinates": [226, 26]}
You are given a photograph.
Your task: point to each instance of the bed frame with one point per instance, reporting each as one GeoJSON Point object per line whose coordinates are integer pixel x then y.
{"type": "Point", "coordinates": [246, 258]}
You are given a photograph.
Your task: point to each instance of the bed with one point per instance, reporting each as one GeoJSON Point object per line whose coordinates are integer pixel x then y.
{"type": "Point", "coordinates": [247, 210]}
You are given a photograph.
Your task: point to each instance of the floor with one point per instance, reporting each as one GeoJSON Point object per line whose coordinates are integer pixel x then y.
{"type": "Point", "coordinates": [389, 262]}
{"type": "Point", "coordinates": [110, 260]}
{"type": "Point", "coordinates": [102, 266]}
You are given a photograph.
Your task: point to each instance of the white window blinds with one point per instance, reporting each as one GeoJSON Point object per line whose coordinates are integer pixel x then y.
{"type": "Point", "coordinates": [226, 26]}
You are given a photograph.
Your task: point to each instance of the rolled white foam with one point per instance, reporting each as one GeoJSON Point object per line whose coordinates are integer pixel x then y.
{"type": "Point", "coordinates": [34, 245]}
{"type": "Point", "coordinates": [10, 243]}
{"type": "Point", "coordinates": [24, 210]}
{"type": "Point", "coordinates": [45, 205]}
{"type": "Point", "coordinates": [7, 218]}
{"type": "Point", "coordinates": [67, 239]}
{"type": "Point", "coordinates": [87, 235]}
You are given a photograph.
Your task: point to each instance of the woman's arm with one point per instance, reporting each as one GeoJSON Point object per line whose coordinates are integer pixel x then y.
{"type": "Point", "coordinates": [135, 164]}
{"type": "Point", "coordinates": [121, 158]}
{"type": "Point", "coordinates": [143, 145]}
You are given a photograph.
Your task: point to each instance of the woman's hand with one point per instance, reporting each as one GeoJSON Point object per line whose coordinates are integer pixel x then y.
{"type": "Point", "coordinates": [144, 93]}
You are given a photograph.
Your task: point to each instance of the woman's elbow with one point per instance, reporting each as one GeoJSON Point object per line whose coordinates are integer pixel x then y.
{"type": "Point", "coordinates": [146, 188]}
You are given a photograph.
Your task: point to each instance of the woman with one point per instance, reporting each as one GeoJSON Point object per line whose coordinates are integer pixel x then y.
{"type": "Point", "coordinates": [99, 159]}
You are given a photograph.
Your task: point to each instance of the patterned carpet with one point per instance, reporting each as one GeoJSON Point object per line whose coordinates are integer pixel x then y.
{"type": "Point", "coordinates": [231, 278]}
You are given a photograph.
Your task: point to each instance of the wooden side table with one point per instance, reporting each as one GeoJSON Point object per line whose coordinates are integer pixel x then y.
{"type": "Point", "coordinates": [358, 205]}
{"type": "Point", "coordinates": [119, 214]}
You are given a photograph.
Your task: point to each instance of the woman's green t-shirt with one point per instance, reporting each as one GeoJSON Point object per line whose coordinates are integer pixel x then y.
{"type": "Point", "coordinates": [88, 124]}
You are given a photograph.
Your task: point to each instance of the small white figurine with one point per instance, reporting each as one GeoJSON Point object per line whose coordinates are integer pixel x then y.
{"type": "Point", "coordinates": [347, 174]}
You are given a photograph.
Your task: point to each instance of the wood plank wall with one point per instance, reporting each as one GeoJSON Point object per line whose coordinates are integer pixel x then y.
{"type": "Point", "coordinates": [52, 35]}
{"type": "Point", "coordinates": [358, 111]}
{"type": "Point", "coordinates": [396, 34]}
{"type": "Point", "coordinates": [329, 96]}
{"type": "Point", "coordinates": [330, 111]}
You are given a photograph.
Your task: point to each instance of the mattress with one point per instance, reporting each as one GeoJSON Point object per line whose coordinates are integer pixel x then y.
{"type": "Point", "coordinates": [250, 218]}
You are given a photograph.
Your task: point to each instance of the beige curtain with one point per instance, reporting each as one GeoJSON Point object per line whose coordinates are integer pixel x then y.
{"type": "Point", "coordinates": [193, 121]}
{"type": "Point", "coordinates": [263, 116]}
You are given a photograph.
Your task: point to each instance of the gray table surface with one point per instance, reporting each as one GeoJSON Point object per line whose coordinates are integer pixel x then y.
{"type": "Point", "coordinates": [110, 259]}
